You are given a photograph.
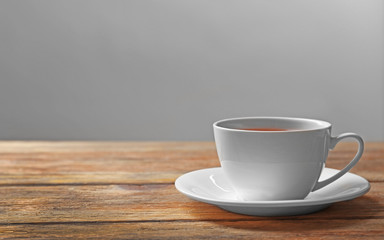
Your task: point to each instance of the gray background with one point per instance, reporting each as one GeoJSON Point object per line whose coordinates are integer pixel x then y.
{"type": "Point", "coordinates": [167, 69]}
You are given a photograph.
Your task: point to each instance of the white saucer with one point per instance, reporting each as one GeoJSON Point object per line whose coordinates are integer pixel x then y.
{"type": "Point", "coordinates": [211, 186]}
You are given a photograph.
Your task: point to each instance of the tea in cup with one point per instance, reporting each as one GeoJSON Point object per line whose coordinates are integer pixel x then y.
{"type": "Point", "coordinates": [277, 158]}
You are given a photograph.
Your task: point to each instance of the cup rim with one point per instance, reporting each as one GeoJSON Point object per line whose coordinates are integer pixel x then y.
{"type": "Point", "coordinates": [322, 124]}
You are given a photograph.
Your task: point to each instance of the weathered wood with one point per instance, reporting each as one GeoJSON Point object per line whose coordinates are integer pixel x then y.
{"type": "Point", "coordinates": [119, 190]}
{"type": "Point", "coordinates": [125, 163]}
{"type": "Point", "coordinates": [81, 147]}
{"type": "Point", "coordinates": [370, 165]}
{"type": "Point", "coordinates": [92, 178]}
{"type": "Point", "coordinates": [98, 162]}
{"type": "Point", "coordinates": [223, 229]}
{"type": "Point", "coordinates": [156, 202]}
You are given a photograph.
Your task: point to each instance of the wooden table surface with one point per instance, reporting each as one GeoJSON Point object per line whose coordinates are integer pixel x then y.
{"type": "Point", "coordinates": [125, 190]}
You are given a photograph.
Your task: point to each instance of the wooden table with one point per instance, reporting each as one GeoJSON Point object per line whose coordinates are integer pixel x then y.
{"type": "Point", "coordinates": [126, 190]}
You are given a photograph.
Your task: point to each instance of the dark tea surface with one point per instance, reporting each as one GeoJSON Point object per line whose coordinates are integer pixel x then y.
{"type": "Point", "coordinates": [265, 129]}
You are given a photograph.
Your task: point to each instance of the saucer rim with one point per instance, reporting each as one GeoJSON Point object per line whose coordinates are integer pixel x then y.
{"type": "Point", "coordinates": [279, 203]}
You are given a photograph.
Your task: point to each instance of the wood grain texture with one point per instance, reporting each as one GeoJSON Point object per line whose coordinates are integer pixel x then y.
{"type": "Point", "coordinates": [143, 162]}
{"type": "Point", "coordinates": [158, 202]}
{"type": "Point", "coordinates": [97, 162]}
{"type": "Point", "coordinates": [225, 229]}
{"type": "Point", "coordinates": [125, 190]}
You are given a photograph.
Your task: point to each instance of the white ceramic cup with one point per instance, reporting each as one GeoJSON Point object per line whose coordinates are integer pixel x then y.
{"type": "Point", "coordinates": [277, 165]}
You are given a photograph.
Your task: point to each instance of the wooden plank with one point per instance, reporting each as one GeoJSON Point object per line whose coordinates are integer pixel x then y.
{"type": "Point", "coordinates": [370, 165]}
{"type": "Point", "coordinates": [157, 202]}
{"type": "Point", "coordinates": [66, 190]}
{"type": "Point", "coordinates": [81, 147]}
{"type": "Point", "coordinates": [101, 163]}
{"type": "Point", "coordinates": [91, 178]}
{"type": "Point", "coordinates": [132, 158]}
{"type": "Point", "coordinates": [226, 229]}
{"type": "Point", "coordinates": [137, 162]}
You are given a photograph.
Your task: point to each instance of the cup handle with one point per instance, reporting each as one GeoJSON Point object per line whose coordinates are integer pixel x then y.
{"type": "Point", "coordinates": [333, 142]}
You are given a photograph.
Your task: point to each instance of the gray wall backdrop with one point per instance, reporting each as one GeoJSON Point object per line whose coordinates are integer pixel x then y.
{"type": "Point", "coordinates": [167, 69]}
